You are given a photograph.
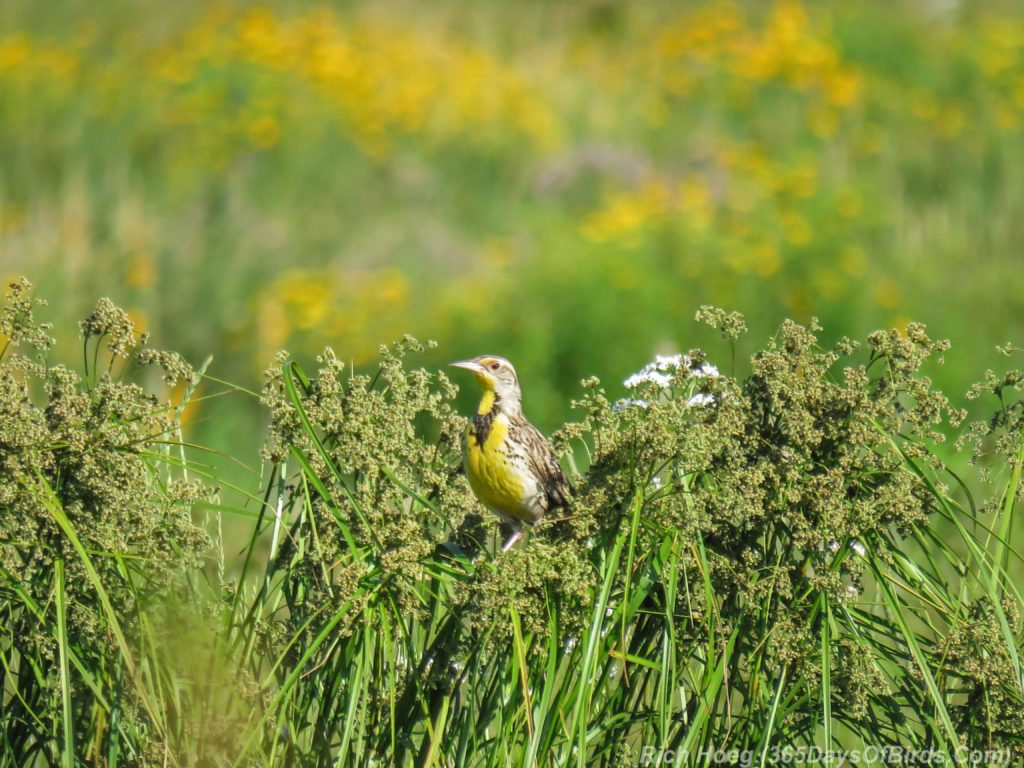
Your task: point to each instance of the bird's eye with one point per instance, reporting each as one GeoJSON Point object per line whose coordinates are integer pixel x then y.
{"type": "Point", "coordinates": [495, 366]}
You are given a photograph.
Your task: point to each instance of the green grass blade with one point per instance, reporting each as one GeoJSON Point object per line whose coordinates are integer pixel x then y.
{"type": "Point", "coordinates": [767, 737]}
{"type": "Point", "coordinates": [52, 504]}
{"type": "Point", "coordinates": [67, 757]}
{"type": "Point", "coordinates": [911, 639]}
{"type": "Point", "coordinates": [826, 673]}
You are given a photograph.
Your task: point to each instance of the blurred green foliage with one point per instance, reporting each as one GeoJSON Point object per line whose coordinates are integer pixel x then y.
{"type": "Point", "coordinates": [560, 184]}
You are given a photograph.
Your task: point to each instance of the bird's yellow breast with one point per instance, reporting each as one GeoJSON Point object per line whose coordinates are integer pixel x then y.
{"type": "Point", "coordinates": [494, 478]}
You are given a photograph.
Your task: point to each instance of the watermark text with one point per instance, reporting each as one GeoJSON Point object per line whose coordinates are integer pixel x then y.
{"type": "Point", "coordinates": [798, 756]}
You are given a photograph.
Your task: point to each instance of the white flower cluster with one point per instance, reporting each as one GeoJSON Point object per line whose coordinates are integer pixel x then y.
{"type": "Point", "coordinates": [660, 372]}
{"type": "Point", "coordinates": [701, 398]}
{"type": "Point", "coordinates": [629, 402]}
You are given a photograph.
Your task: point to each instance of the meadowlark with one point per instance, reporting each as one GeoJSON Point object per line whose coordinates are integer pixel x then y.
{"type": "Point", "coordinates": [510, 466]}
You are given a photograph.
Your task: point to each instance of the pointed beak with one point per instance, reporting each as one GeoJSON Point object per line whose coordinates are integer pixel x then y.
{"type": "Point", "coordinates": [469, 365]}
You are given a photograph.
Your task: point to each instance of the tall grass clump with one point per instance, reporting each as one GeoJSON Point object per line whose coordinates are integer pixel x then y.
{"type": "Point", "coordinates": [778, 561]}
{"type": "Point", "coordinates": [95, 530]}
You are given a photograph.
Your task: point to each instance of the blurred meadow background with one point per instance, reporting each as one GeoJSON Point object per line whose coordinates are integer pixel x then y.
{"type": "Point", "coordinates": [563, 184]}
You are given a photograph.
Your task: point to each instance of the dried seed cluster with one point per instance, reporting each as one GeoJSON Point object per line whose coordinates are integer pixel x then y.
{"type": "Point", "coordinates": [87, 448]}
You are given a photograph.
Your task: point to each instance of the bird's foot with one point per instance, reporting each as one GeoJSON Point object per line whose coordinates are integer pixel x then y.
{"type": "Point", "coordinates": [517, 534]}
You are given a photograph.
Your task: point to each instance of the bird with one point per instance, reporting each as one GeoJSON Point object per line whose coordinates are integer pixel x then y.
{"type": "Point", "coordinates": [511, 467]}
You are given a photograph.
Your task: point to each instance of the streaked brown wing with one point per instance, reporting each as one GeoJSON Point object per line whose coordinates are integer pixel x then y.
{"type": "Point", "coordinates": [544, 464]}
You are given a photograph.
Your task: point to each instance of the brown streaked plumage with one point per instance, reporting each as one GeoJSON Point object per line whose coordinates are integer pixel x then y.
{"type": "Point", "coordinates": [510, 465]}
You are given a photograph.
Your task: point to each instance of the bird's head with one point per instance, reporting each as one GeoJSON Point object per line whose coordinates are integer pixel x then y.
{"type": "Point", "coordinates": [498, 380]}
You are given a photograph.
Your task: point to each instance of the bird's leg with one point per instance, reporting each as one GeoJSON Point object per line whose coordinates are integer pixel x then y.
{"type": "Point", "coordinates": [517, 534]}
